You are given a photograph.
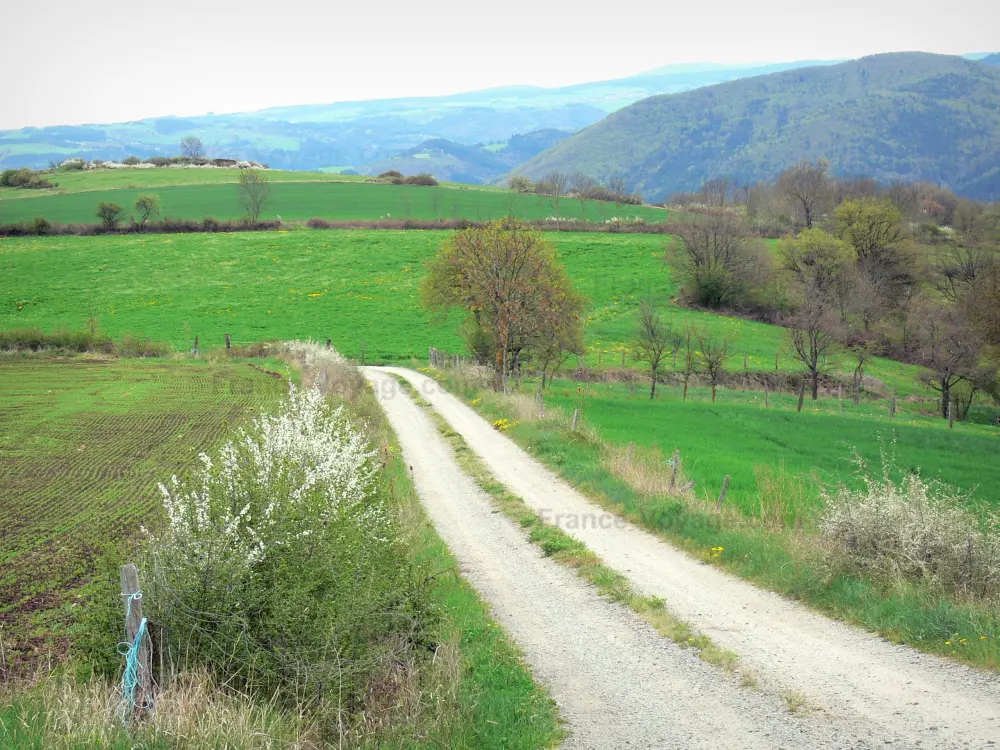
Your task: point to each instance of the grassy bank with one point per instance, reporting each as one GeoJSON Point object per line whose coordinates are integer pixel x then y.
{"type": "Point", "coordinates": [762, 543]}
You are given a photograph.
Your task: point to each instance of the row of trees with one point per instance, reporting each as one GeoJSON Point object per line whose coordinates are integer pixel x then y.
{"type": "Point", "coordinates": [253, 189]}
{"type": "Point", "coordinates": [861, 275]}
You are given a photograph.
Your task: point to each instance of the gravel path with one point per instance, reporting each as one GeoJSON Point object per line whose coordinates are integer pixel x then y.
{"type": "Point", "coordinates": [894, 695]}
{"type": "Point", "coordinates": [617, 683]}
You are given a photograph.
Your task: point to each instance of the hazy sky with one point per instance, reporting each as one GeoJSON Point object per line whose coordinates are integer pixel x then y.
{"type": "Point", "coordinates": [80, 61]}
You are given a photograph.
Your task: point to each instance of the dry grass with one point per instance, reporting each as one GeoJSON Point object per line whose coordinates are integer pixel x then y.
{"type": "Point", "coordinates": [648, 471]}
{"type": "Point", "coordinates": [784, 500]}
{"type": "Point", "coordinates": [191, 712]}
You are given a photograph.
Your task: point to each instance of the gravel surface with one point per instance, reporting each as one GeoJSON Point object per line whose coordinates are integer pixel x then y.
{"type": "Point", "coordinates": [867, 687]}
{"type": "Point", "coordinates": [617, 683]}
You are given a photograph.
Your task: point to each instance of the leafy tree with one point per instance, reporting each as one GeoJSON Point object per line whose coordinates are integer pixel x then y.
{"type": "Point", "coordinates": [949, 349]}
{"type": "Point", "coordinates": [147, 205]}
{"type": "Point", "coordinates": [254, 189]}
{"type": "Point", "coordinates": [655, 341]}
{"type": "Point", "coordinates": [507, 277]}
{"type": "Point", "coordinates": [192, 147]}
{"type": "Point", "coordinates": [110, 215]}
{"type": "Point", "coordinates": [520, 184]}
{"type": "Point", "coordinates": [807, 187]}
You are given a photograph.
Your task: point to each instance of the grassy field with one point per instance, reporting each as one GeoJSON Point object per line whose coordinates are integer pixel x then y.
{"type": "Point", "coordinates": [347, 285]}
{"type": "Point", "coordinates": [295, 196]}
{"type": "Point", "coordinates": [737, 435]}
{"type": "Point", "coordinates": [733, 438]}
{"type": "Point", "coordinates": [82, 446]}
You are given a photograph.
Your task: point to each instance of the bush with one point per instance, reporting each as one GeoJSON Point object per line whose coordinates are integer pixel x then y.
{"type": "Point", "coordinates": [280, 568]}
{"type": "Point", "coordinates": [135, 345]}
{"type": "Point", "coordinates": [913, 530]}
{"type": "Point", "coordinates": [132, 160]}
{"type": "Point", "coordinates": [24, 179]}
{"type": "Point", "coordinates": [390, 173]}
{"type": "Point", "coordinates": [41, 226]}
{"type": "Point", "coordinates": [422, 179]}
{"type": "Point", "coordinates": [210, 224]}
{"type": "Point", "coordinates": [110, 215]}
{"type": "Point", "coordinates": [34, 340]}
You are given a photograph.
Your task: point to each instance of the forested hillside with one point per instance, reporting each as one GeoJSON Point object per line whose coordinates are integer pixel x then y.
{"type": "Point", "coordinates": [909, 116]}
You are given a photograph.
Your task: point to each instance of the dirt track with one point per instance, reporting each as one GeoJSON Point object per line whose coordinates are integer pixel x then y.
{"type": "Point", "coordinates": [867, 688]}
{"type": "Point", "coordinates": [617, 683]}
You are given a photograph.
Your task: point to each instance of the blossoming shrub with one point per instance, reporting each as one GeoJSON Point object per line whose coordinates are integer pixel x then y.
{"type": "Point", "coordinates": [915, 530]}
{"type": "Point", "coordinates": [280, 567]}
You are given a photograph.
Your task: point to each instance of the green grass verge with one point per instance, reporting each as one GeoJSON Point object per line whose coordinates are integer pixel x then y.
{"type": "Point", "coordinates": [787, 562]}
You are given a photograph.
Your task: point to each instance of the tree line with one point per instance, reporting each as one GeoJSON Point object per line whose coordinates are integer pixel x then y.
{"type": "Point", "coordinates": [907, 271]}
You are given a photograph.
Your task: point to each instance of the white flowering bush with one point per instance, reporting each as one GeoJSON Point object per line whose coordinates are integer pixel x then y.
{"type": "Point", "coordinates": [913, 529]}
{"type": "Point", "coordinates": [279, 565]}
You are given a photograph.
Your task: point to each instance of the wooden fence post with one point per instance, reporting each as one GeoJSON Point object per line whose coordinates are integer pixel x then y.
{"type": "Point", "coordinates": [775, 361]}
{"type": "Point", "coordinates": [892, 408]}
{"type": "Point", "coordinates": [673, 473]}
{"type": "Point", "coordinates": [623, 356]}
{"type": "Point", "coordinates": [362, 352]}
{"type": "Point", "coordinates": [722, 494]}
{"type": "Point", "coordinates": [576, 416]}
{"type": "Point", "coordinates": [228, 344]}
{"type": "Point", "coordinates": [744, 361]}
{"type": "Point", "coordinates": [329, 343]}
{"type": "Point", "coordinates": [802, 394]}
{"type": "Point", "coordinates": [951, 415]}
{"type": "Point", "coordinates": [840, 395]}
{"type": "Point", "coordinates": [135, 626]}
{"type": "Point", "coordinates": [195, 350]}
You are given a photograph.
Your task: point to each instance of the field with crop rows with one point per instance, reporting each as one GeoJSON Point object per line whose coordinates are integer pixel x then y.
{"type": "Point", "coordinates": [301, 200]}
{"type": "Point", "coordinates": [83, 443]}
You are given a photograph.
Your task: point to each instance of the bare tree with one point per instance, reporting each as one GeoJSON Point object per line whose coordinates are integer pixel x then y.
{"type": "Point", "coordinates": [807, 186]}
{"type": "Point", "coordinates": [192, 147]}
{"type": "Point", "coordinates": [618, 185]}
{"type": "Point", "coordinates": [949, 349]}
{"type": "Point", "coordinates": [691, 336]}
{"type": "Point", "coordinates": [811, 337]}
{"type": "Point", "coordinates": [956, 273]}
{"type": "Point", "coordinates": [712, 358]}
{"type": "Point", "coordinates": [717, 192]}
{"type": "Point", "coordinates": [555, 185]}
{"type": "Point", "coordinates": [654, 343]}
{"type": "Point", "coordinates": [254, 189]}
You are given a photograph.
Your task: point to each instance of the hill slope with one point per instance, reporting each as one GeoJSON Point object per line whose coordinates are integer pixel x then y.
{"type": "Point", "coordinates": [911, 116]}
{"type": "Point", "coordinates": [356, 134]}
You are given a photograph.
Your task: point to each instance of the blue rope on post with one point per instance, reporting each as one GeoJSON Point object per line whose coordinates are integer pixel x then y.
{"type": "Point", "coordinates": [130, 678]}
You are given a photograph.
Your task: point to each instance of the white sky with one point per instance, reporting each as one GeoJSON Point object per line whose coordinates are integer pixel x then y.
{"type": "Point", "coordinates": [81, 61]}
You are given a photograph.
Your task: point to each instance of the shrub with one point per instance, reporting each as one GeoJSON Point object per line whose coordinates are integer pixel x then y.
{"type": "Point", "coordinates": [41, 226]}
{"type": "Point", "coordinates": [34, 339]}
{"type": "Point", "coordinates": [912, 530]}
{"type": "Point", "coordinates": [110, 215]}
{"type": "Point", "coordinates": [388, 174]}
{"type": "Point", "coordinates": [25, 179]}
{"type": "Point", "coordinates": [210, 224]}
{"type": "Point", "coordinates": [136, 345]}
{"type": "Point", "coordinates": [423, 179]}
{"type": "Point", "coordinates": [279, 568]}
{"type": "Point", "coordinates": [520, 184]}
{"type": "Point", "coordinates": [132, 160]}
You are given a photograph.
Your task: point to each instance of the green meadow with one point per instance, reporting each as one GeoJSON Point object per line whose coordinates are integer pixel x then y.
{"type": "Point", "coordinates": [344, 285]}
{"type": "Point", "coordinates": [295, 196]}
{"type": "Point", "coordinates": [737, 435]}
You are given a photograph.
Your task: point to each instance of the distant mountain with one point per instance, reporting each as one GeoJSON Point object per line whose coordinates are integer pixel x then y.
{"type": "Point", "coordinates": [910, 116]}
{"type": "Point", "coordinates": [456, 162]}
{"type": "Point", "coordinates": [357, 135]}
{"type": "Point", "coordinates": [993, 59]}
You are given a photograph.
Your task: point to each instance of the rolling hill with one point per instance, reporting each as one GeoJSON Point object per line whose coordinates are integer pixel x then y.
{"type": "Point", "coordinates": [355, 135]}
{"type": "Point", "coordinates": [910, 116]}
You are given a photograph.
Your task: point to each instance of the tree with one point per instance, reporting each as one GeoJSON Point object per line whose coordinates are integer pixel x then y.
{"type": "Point", "coordinates": [655, 341]}
{"type": "Point", "coordinates": [691, 336]}
{"type": "Point", "coordinates": [254, 189]}
{"type": "Point", "coordinates": [712, 357]}
{"type": "Point", "coordinates": [948, 347]}
{"type": "Point", "coordinates": [717, 260]}
{"type": "Point", "coordinates": [110, 215]}
{"type": "Point", "coordinates": [872, 228]}
{"type": "Point", "coordinates": [520, 184]}
{"type": "Point", "coordinates": [810, 333]}
{"type": "Point", "coordinates": [147, 205]}
{"type": "Point", "coordinates": [506, 276]}
{"type": "Point", "coordinates": [555, 186]}
{"type": "Point", "coordinates": [192, 147]}
{"type": "Point", "coordinates": [807, 187]}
